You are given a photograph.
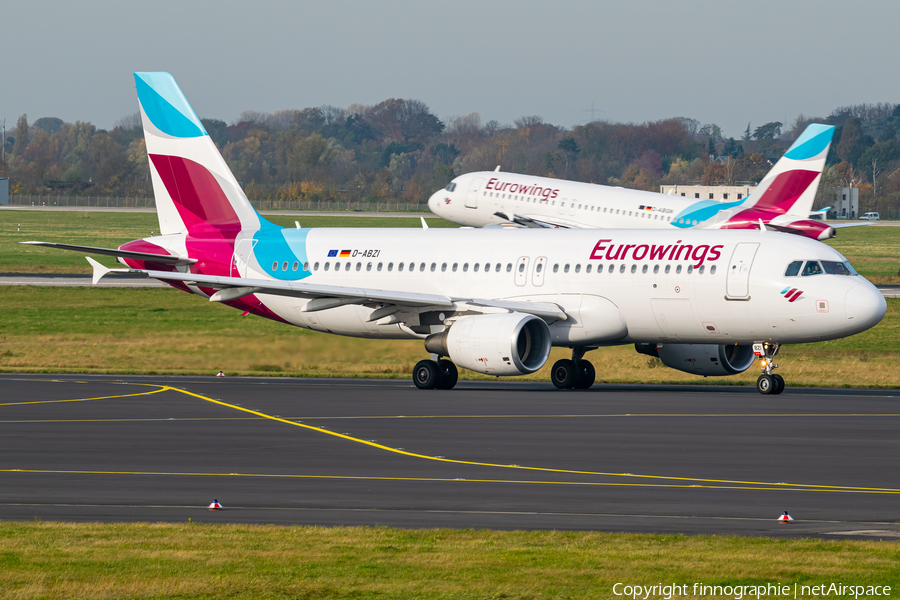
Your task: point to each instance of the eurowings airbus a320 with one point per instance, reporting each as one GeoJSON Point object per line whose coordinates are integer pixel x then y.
{"type": "Point", "coordinates": [782, 201]}
{"type": "Point", "coordinates": [491, 300]}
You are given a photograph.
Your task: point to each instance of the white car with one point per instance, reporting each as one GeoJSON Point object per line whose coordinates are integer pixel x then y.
{"type": "Point", "coordinates": [870, 216]}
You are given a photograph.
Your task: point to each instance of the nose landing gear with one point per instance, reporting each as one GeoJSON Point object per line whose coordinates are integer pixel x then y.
{"type": "Point", "coordinates": [767, 382]}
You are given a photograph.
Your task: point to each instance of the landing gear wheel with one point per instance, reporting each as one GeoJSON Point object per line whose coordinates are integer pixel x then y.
{"type": "Point", "coordinates": [765, 384]}
{"type": "Point", "coordinates": [586, 375]}
{"type": "Point", "coordinates": [426, 374]}
{"type": "Point", "coordinates": [448, 375]}
{"type": "Point", "coordinates": [563, 374]}
{"type": "Point", "coordinates": [779, 384]}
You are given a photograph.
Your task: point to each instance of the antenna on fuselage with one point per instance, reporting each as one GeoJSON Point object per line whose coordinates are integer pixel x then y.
{"type": "Point", "coordinates": [497, 170]}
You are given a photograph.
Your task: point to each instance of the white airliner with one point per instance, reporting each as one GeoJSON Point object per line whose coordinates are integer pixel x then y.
{"type": "Point", "coordinates": [782, 201]}
{"type": "Point", "coordinates": [492, 300]}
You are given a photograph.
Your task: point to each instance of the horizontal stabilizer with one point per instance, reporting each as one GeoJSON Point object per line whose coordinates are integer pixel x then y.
{"type": "Point", "coordinates": [145, 256]}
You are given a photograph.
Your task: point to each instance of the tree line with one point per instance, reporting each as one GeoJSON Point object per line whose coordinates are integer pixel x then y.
{"type": "Point", "coordinates": [398, 150]}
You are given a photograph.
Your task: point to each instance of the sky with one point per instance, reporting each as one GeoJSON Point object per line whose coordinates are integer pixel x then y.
{"type": "Point", "coordinates": [728, 63]}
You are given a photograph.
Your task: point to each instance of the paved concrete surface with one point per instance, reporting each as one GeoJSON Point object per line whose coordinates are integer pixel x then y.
{"type": "Point", "coordinates": [691, 459]}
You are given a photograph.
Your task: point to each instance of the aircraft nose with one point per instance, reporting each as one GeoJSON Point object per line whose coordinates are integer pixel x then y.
{"type": "Point", "coordinates": [434, 202]}
{"type": "Point", "coordinates": [865, 306]}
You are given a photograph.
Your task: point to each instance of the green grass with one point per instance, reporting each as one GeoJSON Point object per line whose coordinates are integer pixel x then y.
{"type": "Point", "coordinates": [112, 229]}
{"type": "Point", "coordinates": [873, 251]}
{"type": "Point", "coordinates": [190, 561]}
{"type": "Point", "coordinates": [161, 330]}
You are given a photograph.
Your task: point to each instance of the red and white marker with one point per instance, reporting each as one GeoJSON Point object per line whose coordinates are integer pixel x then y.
{"type": "Point", "coordinates": [216, 506]}
{"type": "Point", "coordinates": [785, 518]}
{"type": "Point", "coordinates": [221, 374]}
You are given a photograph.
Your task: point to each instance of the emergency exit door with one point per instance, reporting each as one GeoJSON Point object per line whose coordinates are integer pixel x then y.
{"type": "Point", "coordinates": [737, 282]}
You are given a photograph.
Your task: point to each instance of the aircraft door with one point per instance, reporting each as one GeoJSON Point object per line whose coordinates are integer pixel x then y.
{"type": "Point", "coordinates": [537, 275]}
{"type": "Point", "coordinates": [737, 283]}
{"type": "Point", "coordinates": [475, 189]}
{"type": "Point", "coordinates": [522, 270]}
{"type": "Point", "coordinates": [242, 253]}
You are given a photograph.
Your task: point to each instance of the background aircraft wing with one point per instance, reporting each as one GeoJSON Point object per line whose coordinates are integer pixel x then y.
{"type": "Point", "coordinates": [159, 258]}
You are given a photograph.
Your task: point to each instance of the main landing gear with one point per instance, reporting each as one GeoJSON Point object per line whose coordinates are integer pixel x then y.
{"type": "Point", "coordinates": [767, 382]}
{"type": "Point", "coordinates": [438, 373]}
{"type": "Point", "coordinates": [574, 373]}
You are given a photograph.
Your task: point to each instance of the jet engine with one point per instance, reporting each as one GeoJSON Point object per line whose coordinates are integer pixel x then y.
{"type": "Point", "coordinates": [702, 359]}
{"type": "Point", "coordinates": [504, 344]}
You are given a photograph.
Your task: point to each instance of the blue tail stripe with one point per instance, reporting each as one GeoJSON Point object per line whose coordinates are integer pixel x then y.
{"type": "Point", "coordinates": [811, 142]}
{"type": "Point", "coordinates": [166, 107]}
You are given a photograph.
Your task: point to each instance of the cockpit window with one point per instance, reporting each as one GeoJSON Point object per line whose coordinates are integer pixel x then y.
{"type": "Point", "coordinates": [450, 187]}
{"type": "Point", "coordinates": [812, 267]}
{"type": "Point", "coordinates": [793, 269]}
{"type": "Point", "coordinates": [833, 267]}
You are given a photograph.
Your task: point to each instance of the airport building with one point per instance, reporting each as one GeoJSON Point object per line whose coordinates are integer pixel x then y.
{"type": "Point", "coordinates": [720, 193]}
{"type": "Point", "coordinates": [4, 191]}
{"type": "Point", "coordinates": [846, 203]}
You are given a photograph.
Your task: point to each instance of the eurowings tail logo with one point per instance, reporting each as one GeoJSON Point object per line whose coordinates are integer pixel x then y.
{"type": "Point", "coordinates": [791, 293]}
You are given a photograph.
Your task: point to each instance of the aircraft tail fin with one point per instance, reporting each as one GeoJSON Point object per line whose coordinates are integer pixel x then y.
{"type": "Point", "coordinates": [790, 186]}
{"type": "Point", "coordinates": [195, 191]}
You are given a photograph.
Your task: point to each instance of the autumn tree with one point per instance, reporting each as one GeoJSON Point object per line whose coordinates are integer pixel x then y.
{"type": "Point", "coordinates": [21, 136]}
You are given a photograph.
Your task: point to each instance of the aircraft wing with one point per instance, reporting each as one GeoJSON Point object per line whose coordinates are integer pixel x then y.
{"type": "Point", "coordinates": [839, 225]}
{"type": "Point", "coordinates": [528, 222]}
{"type": "Point", "coordinates": [159, 258]}
{"type": "Point", "coordinates": [328, 296]}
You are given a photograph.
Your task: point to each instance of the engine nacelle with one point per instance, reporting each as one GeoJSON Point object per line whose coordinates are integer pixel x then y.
{"type": "Point", "coordinates": [702, 359]}
{"type": "Point", "coordinates": [505, 344]}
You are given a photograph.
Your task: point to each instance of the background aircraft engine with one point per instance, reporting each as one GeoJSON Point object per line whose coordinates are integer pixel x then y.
{"type": "Point", "coordinates": [507, 344]}
{"type": "Point", "coordinates": [702, 359]}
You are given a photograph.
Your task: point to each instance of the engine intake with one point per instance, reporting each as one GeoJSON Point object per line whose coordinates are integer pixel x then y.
{"type": "Point", "coordinates": [702, 359]}
{"type": "Point", "coordinates": [506, 344]}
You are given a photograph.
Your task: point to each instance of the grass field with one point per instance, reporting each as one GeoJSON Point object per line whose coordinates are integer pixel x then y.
{"type": "Point", "coordinates": [160, 330]}
{"type": "Point", "coordinates": [187, 561]}
{"type": "Point", "coordinates": [111, 230]}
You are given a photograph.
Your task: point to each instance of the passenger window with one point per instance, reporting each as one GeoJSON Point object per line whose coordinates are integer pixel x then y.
{"type": "Point", "coordinates": [455, 266]}
{"type": "Point", "coordinates": [433, 267]}
{"type": "Point", "coordinates": [508, 267]}
{"type": "Point", "coordinates": [634, 268]}
{"type": "Point", "coordinates": [306, 266]}
{"type": "Point", "coordinates": [668, 268]}
{"type": "Point", "coordinates": [712, 270]}
{"type": "Point", "coordinates": [284, 266]}
{"type": "Point", "coordinates": [812, 267]}
{"type": "Point", "coordinates": [275, 266]}
{"type": "Point", "coordinates": [358, 266]}
{"type": "Point", "coordinates": [422, 267]}
{"type": "Point", "coordinates": [443, 267]}
{"type": "Point", "coordinates": [556, 268]}
{"type": "Point", "coordinates": [412, 266]}
{"type": "Point", "coordinates": [621, 268]}
{"type": "Point", "coordinates": [295, 266]}
{"type": "Point", "coordinates": [399, 267]}
{"type": "Point", "coordinates": [599, 268]}
{"type": "Point", "coordinates": [316, 267]}
{"type": "Point", "coordinates": [369, 267]}
{"type": "Point", "coordinates": [391, 266]}
{"type": "Point", "coordinates": [465, 267]}
{"type": "Point", "coordinates": [337, 266]}
{"type": "Point", "coordinates": [497, 267]}
{"type": "Point", "coordinates": [521, 267]}
{"type": "Point", "coordinates": [702, 268]}
{"type": "Point", "coordinates": [347, 266]}
{"type": "Point", "coordinates": [690, 269]}
{"type": "Point", "coordinates": [474, 267]}
{"type": "Point", "coordinates": [326, 266]}
{"type": "Point", "coordinates": [540, 267]}
{"type": "Point", "coordinates": [793, 269]}
{"type": "Point", "coordinates": [566, 269]}
{"type": "Point", "coordinates": [655, 269]}
{"type": "Point", "coordinates": [644, 269]}
{"type": "Point", "coordinates": [379, 266]}
{"type": "Point", "coordinates": [587, 269]}
{"type": "Point", "coordinates": [678, 270]}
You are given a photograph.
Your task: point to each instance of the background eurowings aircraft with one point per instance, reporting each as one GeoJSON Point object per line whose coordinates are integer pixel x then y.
{"type": "Point", "coordinates": [495, 301]}
{"type": "Point", "coordinates": [783, 200]}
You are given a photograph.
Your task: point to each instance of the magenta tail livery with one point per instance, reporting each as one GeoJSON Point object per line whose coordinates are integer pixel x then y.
{"type": "Point", "coordinates": [492, 300]}
{"type": "Point", "coordinates": [782, 201]}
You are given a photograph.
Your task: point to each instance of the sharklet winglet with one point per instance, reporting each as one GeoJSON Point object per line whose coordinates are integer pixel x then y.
{"type": "Point", "coordinates": [99, 270]}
